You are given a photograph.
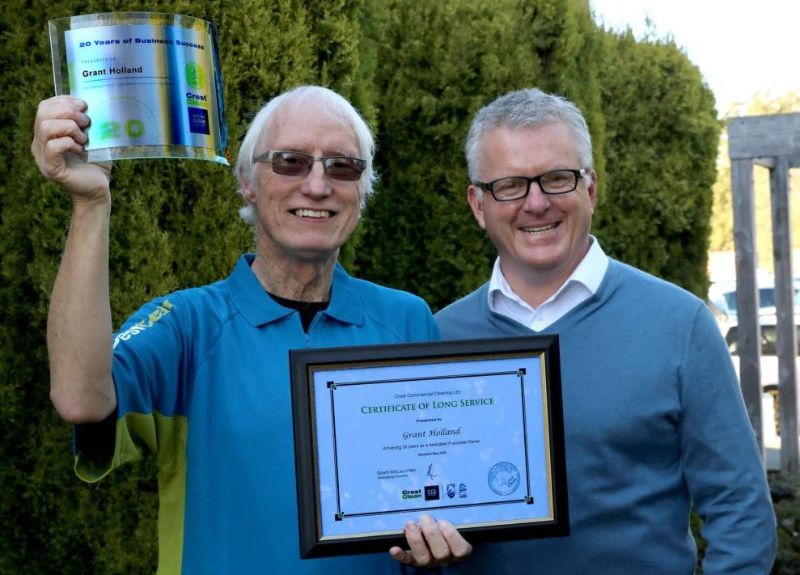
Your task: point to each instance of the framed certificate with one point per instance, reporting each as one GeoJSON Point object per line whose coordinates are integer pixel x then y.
{"type": "Point", "coordinates": [468, 431]}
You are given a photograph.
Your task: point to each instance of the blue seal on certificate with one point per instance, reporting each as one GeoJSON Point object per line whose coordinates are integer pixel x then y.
{"type": "Point", "coordinates": [504, 478]}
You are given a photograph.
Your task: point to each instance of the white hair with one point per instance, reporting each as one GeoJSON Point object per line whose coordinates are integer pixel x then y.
{"type": "Point", "coordinates": [529, 108]}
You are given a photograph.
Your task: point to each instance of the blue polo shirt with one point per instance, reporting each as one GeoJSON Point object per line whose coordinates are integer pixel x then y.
{"type": "Point", "coordinates": [202, 382]}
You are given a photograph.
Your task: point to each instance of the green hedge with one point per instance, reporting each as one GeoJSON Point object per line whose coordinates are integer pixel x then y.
{"type": "Point", "coordinates": [786, 497]}
{"type": "Point", "coordinates": [418, 70]}
{"type": "Point", "coordinates": [652, 121]}
{"type": "Point", "coordinates": [439, 63]}
{"type": "Point", "coordinates": [660, 150]}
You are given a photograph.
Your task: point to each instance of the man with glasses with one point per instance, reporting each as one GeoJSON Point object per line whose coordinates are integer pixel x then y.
{"type": "Point", "coordinates": [200, 377]}
{"type": "Point", "coordinates": [655, 425]}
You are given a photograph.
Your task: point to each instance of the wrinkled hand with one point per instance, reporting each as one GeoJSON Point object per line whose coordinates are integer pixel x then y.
{"type": "Point", "coordinates": [58, 148]}
{"type": "Point", "coordinates": [432, 544]}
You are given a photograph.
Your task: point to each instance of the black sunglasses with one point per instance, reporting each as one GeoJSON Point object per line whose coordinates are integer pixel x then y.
{"type": "Point", "coordinates": [288, 163]}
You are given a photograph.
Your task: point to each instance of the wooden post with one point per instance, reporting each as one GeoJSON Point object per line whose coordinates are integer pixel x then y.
{"type": "Point", "coordinates": [748, 330]}
{"type": "Point", "coordinates": [773, 141]}
{"type": "Point", "coordinates": [786, 342]}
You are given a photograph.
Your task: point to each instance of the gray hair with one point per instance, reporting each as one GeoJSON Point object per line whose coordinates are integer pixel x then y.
{"type": "Point", "coordinates": [330, 104]}
{"type": "Point", "coordinates": [528, 108]}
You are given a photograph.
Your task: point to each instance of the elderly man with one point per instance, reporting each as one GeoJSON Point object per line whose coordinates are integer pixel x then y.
{"type": "Point", "coordinates": [654, 421]}
{"type": "Point", "coordinates": [200, 377]}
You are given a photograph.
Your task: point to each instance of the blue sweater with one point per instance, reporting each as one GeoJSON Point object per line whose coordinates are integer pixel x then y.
{"type": "Point", "coordinates": [655, 425]}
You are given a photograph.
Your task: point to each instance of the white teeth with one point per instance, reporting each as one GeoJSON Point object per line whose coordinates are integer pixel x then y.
{"type": "Point", "coordinates": [540, 229]}
{"type": "Point", "coordinates": [306, 213]}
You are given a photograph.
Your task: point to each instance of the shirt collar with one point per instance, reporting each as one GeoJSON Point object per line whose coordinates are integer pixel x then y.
{"type": "Point", "coordinates": [589, 273]}
{"type": "Point", "coordinates": [258, 308]}
{"type": "Point", "coordinates": [592, 269]}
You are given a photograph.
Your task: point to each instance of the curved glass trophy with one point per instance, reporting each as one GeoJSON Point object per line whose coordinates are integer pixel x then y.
{"type": "Point", "coordinates": [152, 83]}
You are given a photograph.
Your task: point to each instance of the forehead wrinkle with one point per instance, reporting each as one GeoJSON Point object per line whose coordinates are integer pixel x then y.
{"type": "Point", "coordinates": [307, 117]}
{"type": "Point", "coordinates": [507, 154]}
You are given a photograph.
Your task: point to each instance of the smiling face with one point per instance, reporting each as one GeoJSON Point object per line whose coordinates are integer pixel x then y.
{"type": "Point", "coordinates": [303, 219]}
{"type": "Point", "coordinates": [542, 238]}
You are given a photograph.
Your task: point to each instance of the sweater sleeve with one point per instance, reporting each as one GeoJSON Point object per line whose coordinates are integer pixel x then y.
{"type": "Point", "coordinates": [720, 458]}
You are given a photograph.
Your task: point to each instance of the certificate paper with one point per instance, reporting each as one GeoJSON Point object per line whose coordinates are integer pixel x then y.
{"type": "Point", "coordinates": [152, 83]}
{"type": "Point", "coordinates": [470, 432]}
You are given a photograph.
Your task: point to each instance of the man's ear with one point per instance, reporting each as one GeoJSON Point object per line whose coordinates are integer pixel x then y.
{"type": "Point", "coordinates": [475, 199]}
{"type": "Point", "coordinates": [591, 188]}
{"type": "Point", "coordinates": [249, 191]}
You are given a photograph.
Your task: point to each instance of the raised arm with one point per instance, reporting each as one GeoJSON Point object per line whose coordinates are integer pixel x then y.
{"type": "Point", "coordinates": [79, 321]}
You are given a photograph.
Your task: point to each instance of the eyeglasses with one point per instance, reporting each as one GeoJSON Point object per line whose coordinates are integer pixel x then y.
{"type": "Point", "coordinates": [287, 163]}
{"type": "Point", "coordinates": [553, 183]}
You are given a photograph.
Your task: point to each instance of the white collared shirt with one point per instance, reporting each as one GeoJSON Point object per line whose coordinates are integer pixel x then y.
{"type": "Point", "coordinates": [580, 286]}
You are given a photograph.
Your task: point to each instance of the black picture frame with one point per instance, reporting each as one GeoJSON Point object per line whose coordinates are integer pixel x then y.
{"type": "Point", "coordinates": [312, 437]}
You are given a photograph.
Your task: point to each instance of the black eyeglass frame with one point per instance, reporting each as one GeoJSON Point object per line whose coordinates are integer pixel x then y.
{"type": "Point", "coordinates": [359, 164]}
{"type": "Point", "coordinates": [489, 186]}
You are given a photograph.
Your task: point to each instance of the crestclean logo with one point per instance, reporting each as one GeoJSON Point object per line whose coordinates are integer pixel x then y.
{"type": "Point", "coordinates": [163, 309]}
{"type": "Point", "coordinates": [412, 493]}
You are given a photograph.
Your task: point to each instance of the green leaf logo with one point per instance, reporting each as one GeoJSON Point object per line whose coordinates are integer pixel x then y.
{"type": "Point", "coordinates": [195, 76]}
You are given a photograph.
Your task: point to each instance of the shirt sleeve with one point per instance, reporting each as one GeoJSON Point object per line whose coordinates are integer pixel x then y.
{"type": "Point", "coordinates": [720, 458]}
{"type": "Point", "coordinates": [148, 355]}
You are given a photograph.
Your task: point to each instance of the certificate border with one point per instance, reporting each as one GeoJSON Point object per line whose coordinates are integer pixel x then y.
{"type": "Point", "coordinates": [332, 386]}
{"type": "Point", "coordinates": [305, 362]}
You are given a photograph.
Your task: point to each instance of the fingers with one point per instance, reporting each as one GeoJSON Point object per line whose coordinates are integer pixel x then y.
{"type": "Point", "coordinates": [431, 544]}
{"type": "Point", "coordinates": [398, 554]}
{"type": "Point", "coordinates": [459, 547]}
{"type": "Point", "coordinates": [436, 543]}
{"type": "Point", "coordinates": [63, 128]}
{"type": "Point", "coordinates": [58, 146]}
{"type": "Point", "coordinates": [418, 554]}
{"type": "Point", "coordinates": [60, 138]}
{"type": "Point", "coordinates": [67, 112]}
{"type": "Point", "coordinates": [58, 131]}
{"type": "Point", "coordinates": [61, 106]}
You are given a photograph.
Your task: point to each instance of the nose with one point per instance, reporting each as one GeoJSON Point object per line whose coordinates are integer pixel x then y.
{"type": "Point", "coordinates": [536, 201]}
{"type": "Point", "coordinates": [316, 183]}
